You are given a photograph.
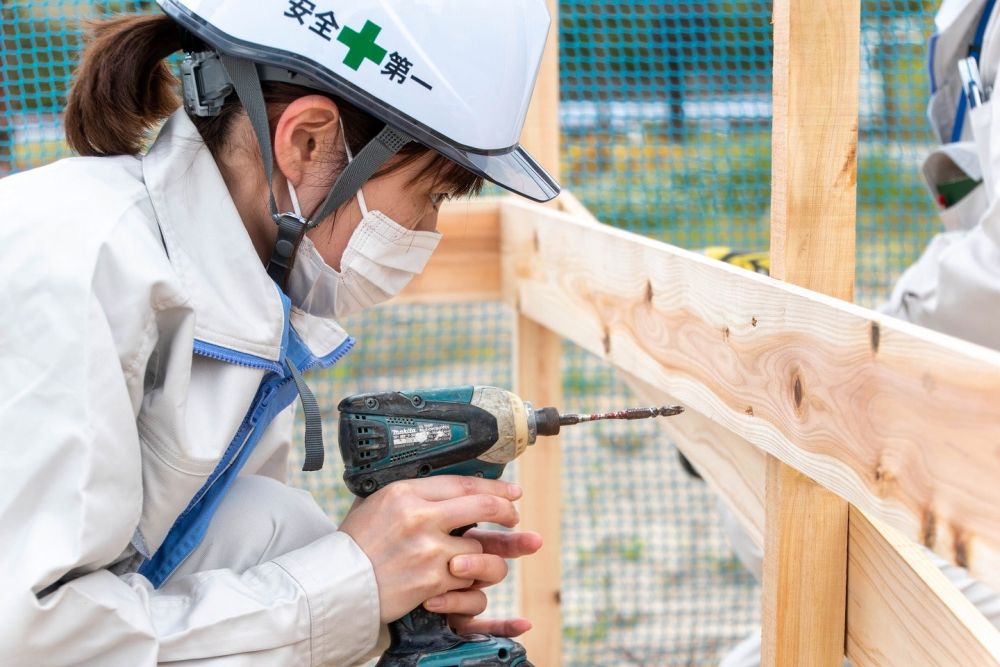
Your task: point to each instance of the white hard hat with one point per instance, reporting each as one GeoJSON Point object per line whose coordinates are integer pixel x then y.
{"type": "Point", "coordinates": [453, 75]}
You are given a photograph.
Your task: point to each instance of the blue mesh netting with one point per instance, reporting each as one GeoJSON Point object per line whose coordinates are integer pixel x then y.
{"type": "Point", "coordinates": [665, 119]}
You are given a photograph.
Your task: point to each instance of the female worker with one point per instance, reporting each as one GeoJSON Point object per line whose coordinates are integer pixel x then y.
{"type": "Point", "coordinates": [159, 310]}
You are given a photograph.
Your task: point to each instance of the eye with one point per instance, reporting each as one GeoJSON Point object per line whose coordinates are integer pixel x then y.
{"type": "Point", "coordinates": [438, 198]}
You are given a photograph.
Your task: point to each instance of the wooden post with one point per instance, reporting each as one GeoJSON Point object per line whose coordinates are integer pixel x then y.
{"type": "Point", "coordinates": [538, 364]}
{"type": "Point", "coordinates": [813, 206]}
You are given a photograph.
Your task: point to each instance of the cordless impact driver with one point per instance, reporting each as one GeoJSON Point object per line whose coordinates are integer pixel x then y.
{"type": "Point", "coordinates": [389, 436]}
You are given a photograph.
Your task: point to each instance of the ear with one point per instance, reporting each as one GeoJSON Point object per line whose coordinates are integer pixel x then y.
{"type": "Point", "coordinates": [306, 129]}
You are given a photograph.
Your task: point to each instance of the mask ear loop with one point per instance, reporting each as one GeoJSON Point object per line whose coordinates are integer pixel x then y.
{"type": "Point", "coordinates": [360, 195]}
{"type": "Point", "coordinates": [295, 199]}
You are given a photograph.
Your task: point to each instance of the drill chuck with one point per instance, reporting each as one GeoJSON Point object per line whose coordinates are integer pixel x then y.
{"type": "Point", "coordinates": [547, 421]}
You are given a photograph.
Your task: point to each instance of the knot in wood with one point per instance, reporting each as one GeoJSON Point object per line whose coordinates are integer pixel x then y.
{"type": "Point", "coordinates": [928, 528]}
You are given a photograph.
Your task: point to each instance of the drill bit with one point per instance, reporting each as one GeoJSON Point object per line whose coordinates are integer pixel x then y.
{"type": "Point", "coordinates": [631, 413]}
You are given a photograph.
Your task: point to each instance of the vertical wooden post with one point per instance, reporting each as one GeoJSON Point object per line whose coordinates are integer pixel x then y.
{"type": "Point", "coordinates": [813, 208]}
{"type": "Point", "coordinates": [538, 365]}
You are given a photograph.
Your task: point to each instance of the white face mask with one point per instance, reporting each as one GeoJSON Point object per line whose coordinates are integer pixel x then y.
{"type": "Point", "coordinates": [381, 259]}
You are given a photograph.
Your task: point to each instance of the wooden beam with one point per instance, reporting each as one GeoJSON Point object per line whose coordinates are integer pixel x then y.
{"type": "Point", "coordinates": [899, 420]}
{"type": "Point", "coordinates": [813, 198]}
{"type": "Point", "coordinates": [538, 354]}
{"type": "Point", "coordinates": [538, 363]}
{"type": "Point", "coordinates": [466, 265]}
{"type": "Point", "coordinates": [732, 466]}
{"type": "Point", "coordinates": [902, 610]}
{"type": "Point", "coordinates": [805, 571]}
{"type": "Point", "coordinates": [814, 143]}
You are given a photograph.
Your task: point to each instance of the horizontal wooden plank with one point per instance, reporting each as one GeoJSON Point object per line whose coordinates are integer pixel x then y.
{"type": "Point", "coordinates": [901, 610]}
{"type": "Point", "coordinates": [466, 265]}
{"type": "Point", "coordinates": [901, 421]}
{"type": "Point", "coordinates": [733, 467]}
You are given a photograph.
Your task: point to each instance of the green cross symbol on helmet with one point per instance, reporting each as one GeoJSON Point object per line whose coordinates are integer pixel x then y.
{"type": "Point", "coordinates": [472, 63]}
{"type": "Point", "coordinates": [362, 45]}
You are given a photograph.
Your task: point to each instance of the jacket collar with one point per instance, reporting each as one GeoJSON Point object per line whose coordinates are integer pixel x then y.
{"type": "Point", "coordinates": [236, 303]}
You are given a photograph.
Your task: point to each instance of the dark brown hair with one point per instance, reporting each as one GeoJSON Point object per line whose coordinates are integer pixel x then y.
{"type": "Point", "coordinates": [123, 89]}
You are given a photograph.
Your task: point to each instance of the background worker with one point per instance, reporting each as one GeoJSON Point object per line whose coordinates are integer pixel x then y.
{"type": "Point", "coordinates": [160, 309]}
{"type": "Point", "coordinates": [954, 287]}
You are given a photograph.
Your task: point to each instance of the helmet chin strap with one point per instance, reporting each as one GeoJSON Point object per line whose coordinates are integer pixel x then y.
{"type": "Point", "coordinates": [292, 226]}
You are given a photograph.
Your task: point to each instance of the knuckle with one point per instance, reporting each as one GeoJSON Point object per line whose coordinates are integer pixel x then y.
{"type": "Point", "coordinates": [500, 568]}
{"type": "Point", "coordinates": [397, 493]}
{"type": "Point", "coordinates": [413, 521]}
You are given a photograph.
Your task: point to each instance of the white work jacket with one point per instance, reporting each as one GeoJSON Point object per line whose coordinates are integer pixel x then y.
{"type": "Point", "coordinates": [142, 343]}
{"type": "Point", "coordinates": [955, 285]}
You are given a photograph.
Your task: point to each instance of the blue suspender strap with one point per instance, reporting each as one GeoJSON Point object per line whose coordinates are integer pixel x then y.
{"type": "Point", "coordinates": [975, 48]}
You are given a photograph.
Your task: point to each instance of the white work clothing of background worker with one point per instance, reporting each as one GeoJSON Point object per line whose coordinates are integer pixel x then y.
{"type": "Point", "coordinates": [159, 310]}
{"type": "Point", "coordinates": [955, 285]}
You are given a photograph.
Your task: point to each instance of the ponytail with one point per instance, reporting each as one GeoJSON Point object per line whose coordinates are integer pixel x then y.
{"type": "Point", "coordinates": [122, 88]}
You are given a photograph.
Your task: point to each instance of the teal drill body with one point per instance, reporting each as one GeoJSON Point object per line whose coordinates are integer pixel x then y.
{"type": "Point", "coordinates": [389, 436]}
{"type": "Point", "coordinates": [395, 435]}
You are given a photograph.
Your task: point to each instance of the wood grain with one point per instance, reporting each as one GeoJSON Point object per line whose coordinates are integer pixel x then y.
{"type": "Point", "coordinates": [814, 143]}
{"type": "Point", "coordinates": [899, 420]}
{"type": "Point", "coordinates": [805, 571]}
{"type": "Point", "coordinates": [902, 610]}
{"type": "Point", "coordinates": [813, 201]}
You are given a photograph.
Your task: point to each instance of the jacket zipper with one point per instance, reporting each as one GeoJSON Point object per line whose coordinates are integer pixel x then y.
{"type": "Point", "coordinates": [330, 359]}
{"type": "Point", "coordinates": [218, 353]}
{"type": "Point", "coordinates": [252, 417]}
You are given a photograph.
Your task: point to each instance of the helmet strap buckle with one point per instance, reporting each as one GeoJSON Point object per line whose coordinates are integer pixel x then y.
{"type": "Point", "coordinates": [291, 228]}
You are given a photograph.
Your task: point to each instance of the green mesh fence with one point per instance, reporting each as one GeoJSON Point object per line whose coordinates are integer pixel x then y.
{"type": "Point", "coordinates": [665, 120]}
